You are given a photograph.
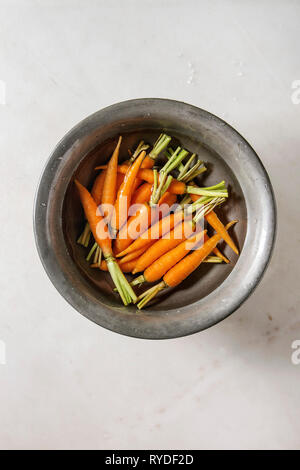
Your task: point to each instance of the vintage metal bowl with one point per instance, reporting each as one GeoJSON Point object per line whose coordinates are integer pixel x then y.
{"type": "Point", "coordinates": [213, 291]}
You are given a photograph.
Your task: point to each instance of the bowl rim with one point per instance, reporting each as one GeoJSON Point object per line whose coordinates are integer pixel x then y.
{"type": "Point", "coordinates": [62, 284]}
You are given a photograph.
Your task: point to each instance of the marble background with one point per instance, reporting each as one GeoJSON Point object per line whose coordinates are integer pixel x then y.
{"type": "Point", "coordinates": [68, 383]}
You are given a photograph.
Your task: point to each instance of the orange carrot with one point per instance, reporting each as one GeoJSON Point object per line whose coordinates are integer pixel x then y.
{"type": "Point", "coordinates": [148, 162]}
{"type": "Point", "coordinates": [134, 255]}
{"type": "Point", "coordinates": [180, 232]}
{"type": "Point", "coordinates": [120, 179]}
{"type": "Point", "coordinates": [217, 252]}
{"type": "Point", "coordinates": [142, 194]}
{"type": "Point", "coordinates": [96, 192]}
{"type": "Point", "coordinates": [160, 266]}
{"type": "Point", "coordinates": [175, 237]}
{"type": "Point", "coordinates": [110, 182]}
{"type": "Point", "coordinates": [216, 224]}
{"type": "Point", "coordinates": [95, 220]}
{"type": "Point", "coordinates": [181, 270]}
{"type": "Point", "coordinates": [97, 189]}
{"type": "Point", "coordinates": [155, 232]}
{"type": "Point", "coordinates": [101, 234]}
{"type": "Point", "coordinates": [137, 224]}
{"type": "Point", "coordinates": [165, 202]}
{"type": "Point", "coordinates": [125, 193]}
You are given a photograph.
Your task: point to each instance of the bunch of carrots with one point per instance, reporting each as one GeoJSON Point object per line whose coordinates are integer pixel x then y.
{"type": "Point", "coordinates": [164, 239]}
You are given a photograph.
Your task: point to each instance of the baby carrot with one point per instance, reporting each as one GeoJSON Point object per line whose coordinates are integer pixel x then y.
{"type": "Point", "coordinates": [102, 237]}
{"type": "Point", "coordinates": [142, 194]}
{"type": "Point", "coordinates": [160, 266]}
{"type": "Point", "coordinates": [96, 192]}
{"type": "Point", "coordinates": [163, 245]}
{"type": "Point", "coordinates": [95, 220]}
{"type": "Point", "coordinates": [125, 193]}
{"type": "Point", "coordinates": [97, 189]}
{"type": "Point", "coordinates": [180, 232]}
{"type": "Point", "coordinates": [137, 224]}
{"type": "Point", "coordinates": [155, 232]}
{"type": "Point", "coordinates": [110, 182]}
{"type": "Point", "coordinates": [218, 226]}
{"type": "Point", "coordinates": [120, 179]}
{"type": "Point", "coordinates": [134, 255]}
{"type": "Point", "coordinates": [217, 252]}
{"type": "Point", "coordinates": [180, 271]}
{"type": "Point", "coordinates": [165, 203]}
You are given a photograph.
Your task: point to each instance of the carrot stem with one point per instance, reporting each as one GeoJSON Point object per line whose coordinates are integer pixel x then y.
{"type": "Point", "coordinates": [155, 183]}
{"type": "Point", "coordinates": [186, 173]}
{"type": "Point", "coordinates": [99, 257]}
{"type": "Point", "coordinates": [207, 208]}
{"type": "Point", "coordinates": [150, 294]}
{"type": "Point", "coordinates": [183, 168]}
{"type": "Point", "coordinates": [138, 280]}
{"type": "Point", "coordinates": [161, 143]}
{"type": "Point", "coordinates": [96, 254]}
{"type": "Point", "coordinates": [156, 194]}
{"type": "Point", "coordinates": [213, 259]}
{"type": "Point", "coordinates": [189, 175]}
{"type": "Point", "coordinates": [206, 192]}
{"type": "Point", "coordinates": [166, 185]}
{"type": "Point", "coordinates": [174, 162]}
{"type": "Point", "coordinates": [94, 247]}
{"type": "Point", "coordinates": [185, 200]}
{"type": "Point", "coordinates": [142, 146]}
{"type": "Point", "coordinates": [84, 239]}
{"type": "Point", "coordinates": [125, 290]}
{"type": "Point", "coordinates": [195, 174]}
{"type": "Point", "coordinates": [164, 180]}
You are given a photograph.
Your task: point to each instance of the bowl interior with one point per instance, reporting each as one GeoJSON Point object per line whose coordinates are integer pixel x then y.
{"type": "Point", "coordinates": [208, 276]}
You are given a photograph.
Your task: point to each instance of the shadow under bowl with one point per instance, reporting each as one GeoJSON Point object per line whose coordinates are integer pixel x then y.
{"type": "Point", "coordinates": [212, 292]}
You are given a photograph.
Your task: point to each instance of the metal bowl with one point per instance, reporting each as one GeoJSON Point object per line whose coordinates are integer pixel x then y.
{"type": "Point", "coordinates": [213, 291]}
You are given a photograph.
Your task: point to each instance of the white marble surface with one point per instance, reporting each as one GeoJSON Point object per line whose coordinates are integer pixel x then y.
{"type": "Point", "coordinates": [68, 383]}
